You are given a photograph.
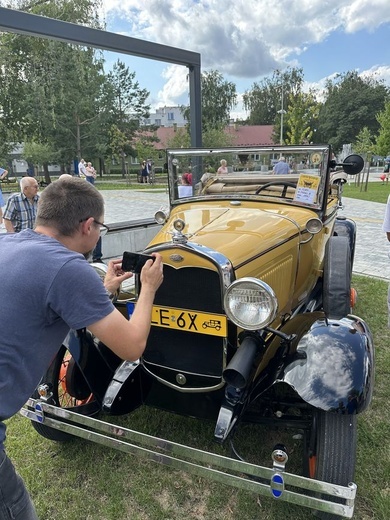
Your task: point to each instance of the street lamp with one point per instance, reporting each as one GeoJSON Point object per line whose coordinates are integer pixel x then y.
{"type": "Point", "coordinates": [281, 112]}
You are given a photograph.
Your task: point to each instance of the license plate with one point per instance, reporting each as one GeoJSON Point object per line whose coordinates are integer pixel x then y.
{"type": "Point", "coordinates": [190, 321]}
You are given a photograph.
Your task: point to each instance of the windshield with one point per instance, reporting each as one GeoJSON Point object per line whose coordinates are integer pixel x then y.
{"type": "Point", "coordinates": [289, 174]}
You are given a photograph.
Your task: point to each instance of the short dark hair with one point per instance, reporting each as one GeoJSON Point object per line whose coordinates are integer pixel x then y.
{"type": "Point", "coordinates": [67, 202]}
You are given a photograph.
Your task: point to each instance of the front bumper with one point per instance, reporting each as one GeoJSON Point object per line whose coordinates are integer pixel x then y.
{"type": "Point", "coordinates": [273, 482]}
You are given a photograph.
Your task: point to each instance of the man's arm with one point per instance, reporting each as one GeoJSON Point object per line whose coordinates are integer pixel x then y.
{"type": "Point", "coordinates": [8, 225]}
{"type": "Point", "coordinates": [9, 213]}
{"type": "Point", "coordinates": [128, 338]}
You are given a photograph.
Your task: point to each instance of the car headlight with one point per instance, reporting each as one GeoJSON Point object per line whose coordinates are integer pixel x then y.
{"type": "Point", "coordinates": [250, 303]}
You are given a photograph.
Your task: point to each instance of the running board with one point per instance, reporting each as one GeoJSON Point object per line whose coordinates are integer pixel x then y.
{"type": "Point", "coordinates": [271, 482]}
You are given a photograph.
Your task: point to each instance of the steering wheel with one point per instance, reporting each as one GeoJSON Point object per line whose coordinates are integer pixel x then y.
{"type": "Point", "coordinates": [286, 185]}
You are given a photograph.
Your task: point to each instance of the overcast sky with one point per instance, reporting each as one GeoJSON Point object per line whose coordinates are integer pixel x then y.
{"type": "Point", "coordinates": [247, 40]}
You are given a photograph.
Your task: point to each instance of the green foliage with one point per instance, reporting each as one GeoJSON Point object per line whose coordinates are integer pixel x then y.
{"type": "Point", "coordinates": [352, 102]}
{"type": "Point", "coordinates": [180, 139]}
{"type": "Point", "coordinates": [39, 153]}
{"type": "Point", "coordinates": [125, 101]}
{"type": "Point", "coordinates": [382, 146]}
{"type": "Point", "coordinates": [364, 142]}
{"type": "Point", "coordinates": [218, 98]}
{"type": "Point", "coordinates": [302, 110]}
{"type": "Point", "coordinates": [265, 98]}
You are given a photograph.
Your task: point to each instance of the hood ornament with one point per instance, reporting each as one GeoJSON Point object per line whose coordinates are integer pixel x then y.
{"type": "Point", "coordinates": [178, 237]}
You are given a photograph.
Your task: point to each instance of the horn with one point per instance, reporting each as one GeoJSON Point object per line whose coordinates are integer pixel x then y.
{"type": "Point", "coordinates": [238, 370]}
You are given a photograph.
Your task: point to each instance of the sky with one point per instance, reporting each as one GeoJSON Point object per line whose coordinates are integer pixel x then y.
{"type": "Point", "coordinates": [247, 40]}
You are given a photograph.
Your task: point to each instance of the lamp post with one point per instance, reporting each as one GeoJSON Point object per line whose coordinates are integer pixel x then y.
{"type": "Point", "coordinates": [281, 112]}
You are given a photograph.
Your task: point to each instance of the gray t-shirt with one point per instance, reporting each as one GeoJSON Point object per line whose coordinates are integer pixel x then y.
{"type": "Point", "coordinates": [45, 291]}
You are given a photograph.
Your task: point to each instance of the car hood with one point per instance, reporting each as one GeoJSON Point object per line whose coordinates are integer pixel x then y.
{"type": "Point", "coordinates": [238, 232]}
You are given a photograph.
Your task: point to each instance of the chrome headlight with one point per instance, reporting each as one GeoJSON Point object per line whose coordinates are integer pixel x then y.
{"type": "Point", "coordinates": [250, 303]}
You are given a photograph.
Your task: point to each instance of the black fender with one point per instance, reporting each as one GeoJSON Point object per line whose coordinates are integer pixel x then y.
{"type": "Point", "coordinates": [345, 227]}
{"type": "Point", "coordinates": [94, 362]}
{"type": "Point", "coordinates": [331, 363]}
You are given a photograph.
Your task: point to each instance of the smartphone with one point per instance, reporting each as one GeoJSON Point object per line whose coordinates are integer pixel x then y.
{"type": "Point", "coordinates": [134, 262]}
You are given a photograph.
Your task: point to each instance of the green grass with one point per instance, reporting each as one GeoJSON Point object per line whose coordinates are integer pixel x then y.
{"type": "Point", "coordinates": [82, 480]}
{"type": "Point", "coordinates": [376, 191]}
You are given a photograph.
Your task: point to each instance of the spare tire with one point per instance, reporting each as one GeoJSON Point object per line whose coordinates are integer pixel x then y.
{"type": "Point", "coordinates": [337, 278]}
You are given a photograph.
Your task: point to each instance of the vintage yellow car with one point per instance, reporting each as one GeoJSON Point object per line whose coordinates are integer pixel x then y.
{"type": "Point", "coordinates": [253, 322]}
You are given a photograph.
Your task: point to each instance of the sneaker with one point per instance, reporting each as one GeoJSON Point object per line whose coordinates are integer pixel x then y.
{"type": "Point", "coordinates": [98, 261]}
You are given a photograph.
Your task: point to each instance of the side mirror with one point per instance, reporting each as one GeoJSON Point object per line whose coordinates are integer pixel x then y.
{"type": "Point", "coordinates": [352, 165]}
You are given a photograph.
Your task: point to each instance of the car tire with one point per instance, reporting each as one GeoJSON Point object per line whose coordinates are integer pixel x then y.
{"type": "Point", "coordinates": [337, 278]}
{"type": "Point", "coordinates": [334, 454]}
{"type": "Point", "coordinates": [65, 381]}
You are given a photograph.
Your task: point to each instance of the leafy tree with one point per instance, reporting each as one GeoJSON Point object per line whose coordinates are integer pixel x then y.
{"type": "Point", "coordinates": [126, 101]}
{"type": "Point", "coordinates": [266, 98]}
{"type": "Point", "coordinates": [382, 145]}
{"type": "Point", "coordinates": [301, 114]}
{"type": "Point", "coordinates": [39, 154]}
{"type": "Point", "coordinates": [351, 103]}
{"type": "Point", "coordinates": [48, 89]}
{"type": "Point", "coordinates": [364, 142]}
{"type": "Point", "coordinates": [219, 97]}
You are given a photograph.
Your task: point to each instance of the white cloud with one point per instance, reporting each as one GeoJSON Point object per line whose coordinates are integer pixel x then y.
{"type": "Point", "coordinates": [248, 38]}
{"type": "Point", "coordinates": [242, 38]}
{"type": "Point", "coordinates": [175, 87]}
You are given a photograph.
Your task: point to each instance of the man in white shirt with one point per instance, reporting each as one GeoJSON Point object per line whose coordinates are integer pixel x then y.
{"type": "Point", "coordinates": [82, 169]}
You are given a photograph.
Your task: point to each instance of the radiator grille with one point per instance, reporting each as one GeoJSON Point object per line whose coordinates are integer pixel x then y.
{"type": "Point", "coordinates": [196, 289]}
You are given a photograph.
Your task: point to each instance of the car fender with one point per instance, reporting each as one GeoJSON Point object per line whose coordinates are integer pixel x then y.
{"type": "Point", "coordinates": [345, 227]}
{"type": "Point", "coordinates": [331, 365]}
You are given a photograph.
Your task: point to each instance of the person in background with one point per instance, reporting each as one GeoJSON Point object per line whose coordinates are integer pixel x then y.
{"type": "Point", "coordinates": [144, 173]}
{"type": "Point", "coordinates": [281, 167]}
{"type": "Point", "coordinates": [185, 189]}
{"type": "Point", "coordinates": [222, 170]}
{"type": "Point", "coordinates": [3, 175]}
{"type": "Point", "coordinates": [51, 285]}
{"type": "Point", "coordinates": [21, 209]}
{"type": "Point", "coordinates": [90, 173]}
{"type": "Point", "coordinates": [82, 169]}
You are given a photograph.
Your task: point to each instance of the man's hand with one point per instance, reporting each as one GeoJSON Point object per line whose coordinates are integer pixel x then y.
{"type": "Point", "coordinates": [152, 274]}
{"type": "Point", "coordinates": [115, 276]}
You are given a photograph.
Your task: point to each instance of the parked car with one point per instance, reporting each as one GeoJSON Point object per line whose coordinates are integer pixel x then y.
{"type": "Point", "coordinates": [253, 322]}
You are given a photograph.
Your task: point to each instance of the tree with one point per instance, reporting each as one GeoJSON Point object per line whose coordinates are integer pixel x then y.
{"type": "Point", "coordinates": [219, 97]}
{"type": "Point", "coordinates": [301, 114]}
{"type": "Point", "coordinates": [351, 103]}
{"type": "Point", "coordinates": [364, 142]}
{"type": "Point", "coordinates": [127, 103]}
{"type": "Point", "coordinates": [382, 145]}
{"type": "Point", "coordinates": [49, 90]}
{"type": "Point", "coordinates": [266, 98]}
{"type": "Point", "coordinates": [39, 154]}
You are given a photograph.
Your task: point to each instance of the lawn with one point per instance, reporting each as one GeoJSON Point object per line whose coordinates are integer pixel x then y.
{"type": "Point", "coordinates": [82, 480]}
{"type": "Point", "coordinates": [376, 191]}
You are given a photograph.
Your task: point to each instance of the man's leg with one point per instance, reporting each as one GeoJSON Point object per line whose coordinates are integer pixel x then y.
{"type": "Point", "coordinates": [15, 502]}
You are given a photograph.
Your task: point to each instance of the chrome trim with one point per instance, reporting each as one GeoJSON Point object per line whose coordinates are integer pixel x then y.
{"type": "Point", "coordinates": [189, 390]}
{"type": "Point", "coordinates": [205, 464]}
{"type": "Point", "coordinates": [223, 264]}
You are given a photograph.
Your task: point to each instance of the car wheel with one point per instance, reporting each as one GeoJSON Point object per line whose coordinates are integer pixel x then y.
{"type": "Point", "coordinates": [331, 454]}
{"type": "Point", "coordinates": [69, 389]}
{"type": "Point", "coordinates": [337, 278]}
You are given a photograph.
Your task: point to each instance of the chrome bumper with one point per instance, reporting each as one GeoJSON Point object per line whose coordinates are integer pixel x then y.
{"type": "Point", "coordinates": [273, 482]}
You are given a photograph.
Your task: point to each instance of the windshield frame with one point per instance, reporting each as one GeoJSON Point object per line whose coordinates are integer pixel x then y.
{"type": "Point", "coordinates": [195, 161]}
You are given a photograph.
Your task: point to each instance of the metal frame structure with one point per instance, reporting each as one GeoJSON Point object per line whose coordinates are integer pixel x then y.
{"type": "Point", "coordinates": [33, 25]}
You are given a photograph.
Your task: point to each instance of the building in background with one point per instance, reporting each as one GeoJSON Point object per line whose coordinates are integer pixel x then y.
{"type": "Point", "coordinates": [166, 117]}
